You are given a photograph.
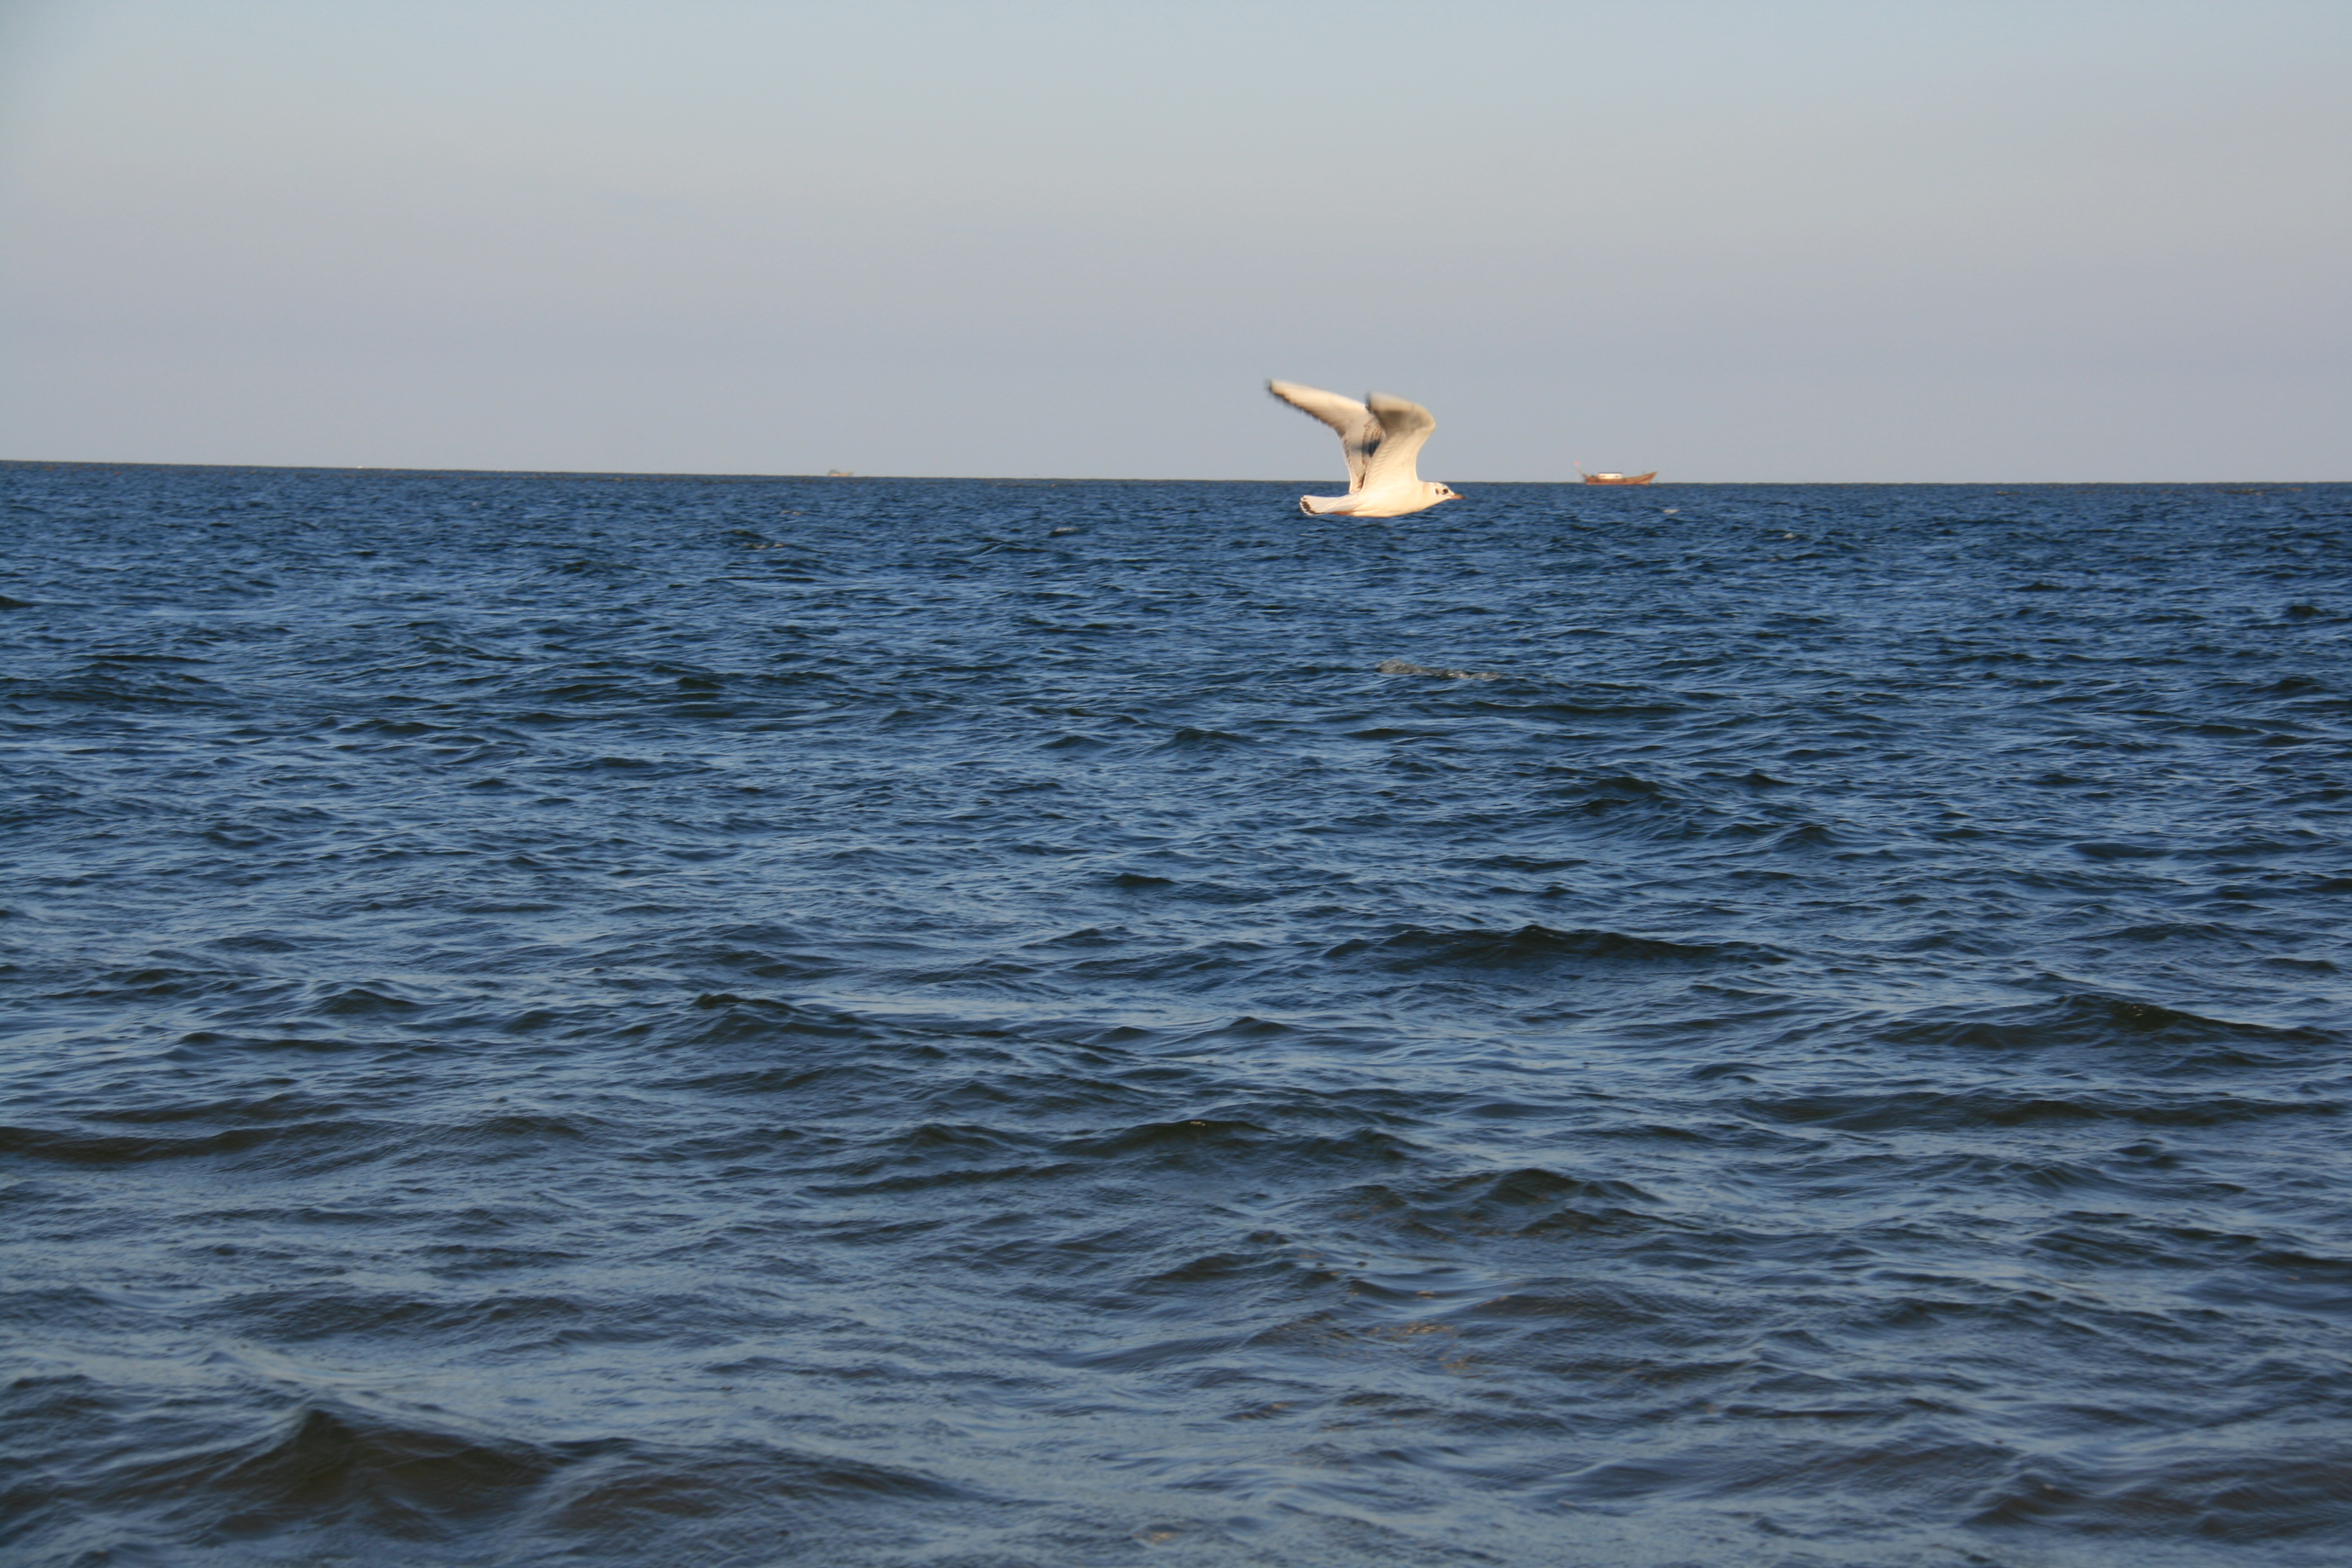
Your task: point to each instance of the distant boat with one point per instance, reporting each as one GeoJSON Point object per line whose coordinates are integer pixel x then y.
{"type": "Point", "coordinates": [1609, 479]}
{"type": "Point", "coordinates": [839, 474]}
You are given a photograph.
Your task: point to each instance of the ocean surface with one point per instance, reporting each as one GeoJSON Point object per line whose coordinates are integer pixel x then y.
{"type": "Point", "coordinates": [645, 1020]}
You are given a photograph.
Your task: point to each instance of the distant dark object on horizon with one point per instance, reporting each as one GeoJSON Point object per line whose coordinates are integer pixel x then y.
{"type": "Point", "coordinates": [1606, 478]}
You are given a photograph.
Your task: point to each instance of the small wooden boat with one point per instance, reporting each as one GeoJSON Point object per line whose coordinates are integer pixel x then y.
{"type": "Point", "coordinates": [1609, 479]}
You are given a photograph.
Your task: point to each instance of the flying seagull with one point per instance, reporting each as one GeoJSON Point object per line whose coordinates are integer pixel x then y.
{"type": "Point", "coordinates": [1383, 441]}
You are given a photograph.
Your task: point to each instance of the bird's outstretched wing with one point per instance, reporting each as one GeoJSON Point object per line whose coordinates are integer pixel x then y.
{"type": "Point", "coordinates": [1360, 432]}
{"type": "Point", "coordinates": [1406, 427]}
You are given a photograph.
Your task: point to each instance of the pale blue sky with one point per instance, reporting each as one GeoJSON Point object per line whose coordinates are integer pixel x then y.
{"type": "Point", "coordinates": [1730, 241]}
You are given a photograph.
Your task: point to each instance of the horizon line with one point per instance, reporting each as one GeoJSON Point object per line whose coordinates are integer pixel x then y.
{"type": "Point", "coordinates": [689, 474]}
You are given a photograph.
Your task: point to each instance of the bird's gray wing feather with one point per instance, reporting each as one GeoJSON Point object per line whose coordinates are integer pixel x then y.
{"type": "Point", "coordinates": [1360, 432]}
{"type": "Point", "coordinates": [1406, 427]}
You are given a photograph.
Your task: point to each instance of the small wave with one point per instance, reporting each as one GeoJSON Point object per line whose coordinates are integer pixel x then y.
{"type": "Point", "coordinates": [1924, 1109]}
{"type": "Point", "coordinates": [1528, 1200]}
{"type": "Point", "coordinates": [359, 1001]}
{"type": "Point", "coordinates": [102, 691]}
{"type": "Point", "coordinates": [2220, 1497]}
{"type": "Point", "coordinates": [1189, 738]}
{"type": "Point", "coordinates": [740, 1018]}
{"type": "Point", "coordinates": [1539, 945]}
{"type": "Point", "coordinates": [2105, 850]}
{"type": "Point", "coordinates": [1183, 1137]}
{"type": "Point", "coordinates": [2090, 1019]}
{"type": "Point", "coordinates": [1406, 666]}
{"type": "Point", "coordinates": [86, 1148]}
{"type": "Point", "coordinates": [337, 1468]}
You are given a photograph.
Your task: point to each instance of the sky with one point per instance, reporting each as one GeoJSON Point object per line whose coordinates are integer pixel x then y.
{"type": "Point", "coordinates": [1965, 240]}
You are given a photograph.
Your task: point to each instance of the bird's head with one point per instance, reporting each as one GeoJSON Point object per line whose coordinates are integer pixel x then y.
{"type": "Point", "coordinates": [1443, 492]}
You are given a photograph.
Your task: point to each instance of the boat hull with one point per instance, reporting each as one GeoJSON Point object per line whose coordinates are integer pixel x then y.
{"type": "Point", "coordinates": [1621, 478]}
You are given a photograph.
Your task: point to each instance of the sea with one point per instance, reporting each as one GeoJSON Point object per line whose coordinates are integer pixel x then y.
{"type": "Point", "coordinates": [647, 1019]}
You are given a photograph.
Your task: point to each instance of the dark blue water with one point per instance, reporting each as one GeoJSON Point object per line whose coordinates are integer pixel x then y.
{"type": "Point", "coordinates": [690, 1021]}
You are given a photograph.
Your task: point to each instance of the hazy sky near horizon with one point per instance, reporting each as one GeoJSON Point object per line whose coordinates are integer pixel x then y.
{"type": "Point", "coordinates": [1809, 240]}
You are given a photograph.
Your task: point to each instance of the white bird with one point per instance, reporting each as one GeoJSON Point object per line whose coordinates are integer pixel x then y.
{"type": "Point", "coordinates": [1383, 442]}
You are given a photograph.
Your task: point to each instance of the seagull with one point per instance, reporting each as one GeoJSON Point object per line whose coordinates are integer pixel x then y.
{"type": "Point", "coordinates": [1383, 441]}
